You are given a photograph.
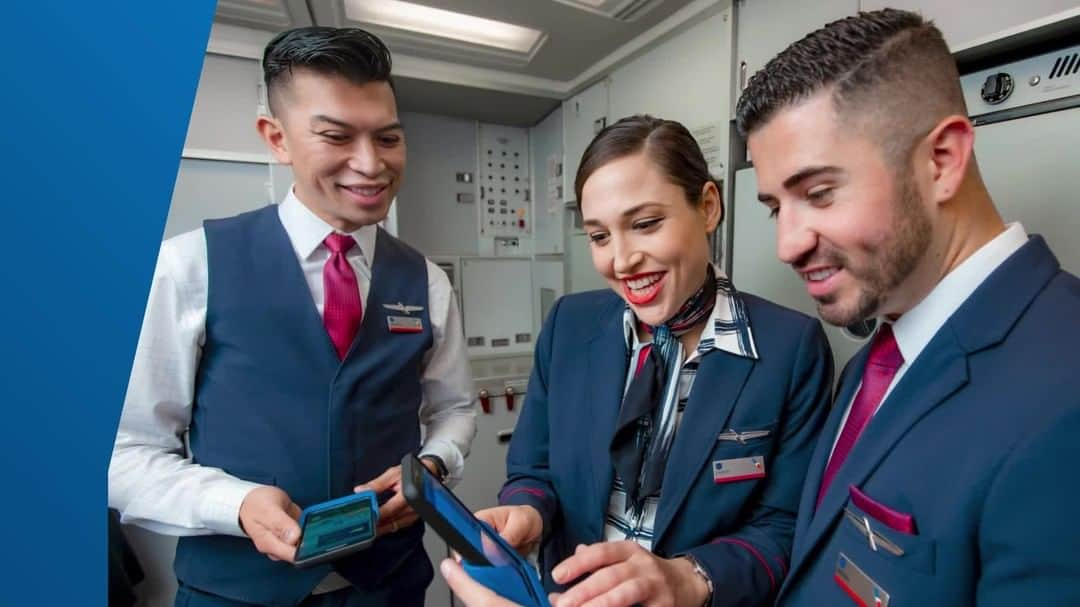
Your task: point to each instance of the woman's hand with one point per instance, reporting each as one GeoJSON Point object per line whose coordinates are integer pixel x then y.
{"type": "Point", "coordinates": [624, 574]}
{"type": "Point", "coordinates": [521, 526]}
{"type": "Point", "coordinates": [471, 593]}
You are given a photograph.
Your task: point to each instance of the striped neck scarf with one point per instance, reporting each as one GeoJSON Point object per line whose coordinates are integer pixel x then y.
{"type": "Point", "coordinates": [699, 306]}
{"type": "Point", "coordinates": [643, 435]}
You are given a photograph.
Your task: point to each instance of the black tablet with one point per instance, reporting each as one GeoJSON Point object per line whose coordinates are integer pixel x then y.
{"type": "Point", "coordinates": [486, 557]}
{"type": "Point", "coordinates": [445, 513]}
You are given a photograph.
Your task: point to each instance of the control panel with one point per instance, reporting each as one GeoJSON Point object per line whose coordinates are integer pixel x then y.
{"type": "Point", "coordinates": [504, 209]}
{"type": "Point", "coordinates": [1034, 85]}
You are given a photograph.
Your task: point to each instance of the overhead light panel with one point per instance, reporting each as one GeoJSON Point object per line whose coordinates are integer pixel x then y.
{"type": "Point", "coordinates": [620, 10]}
{"type": "Point", "coordinates": [422, 19]}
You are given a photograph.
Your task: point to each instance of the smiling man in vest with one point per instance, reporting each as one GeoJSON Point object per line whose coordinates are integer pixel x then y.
{"type": "Point", "coordinates": [301, 348]}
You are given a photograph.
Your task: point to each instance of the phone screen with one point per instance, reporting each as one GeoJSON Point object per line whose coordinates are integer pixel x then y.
{"type": "Point", "coordinates": [335, 528]}
{"type": "Point", "coordinates": [455, 513]}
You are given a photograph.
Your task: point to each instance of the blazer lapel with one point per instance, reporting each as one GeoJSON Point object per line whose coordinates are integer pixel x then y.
{"type": "Point", "coordinates": [605, 370]}
{"type": "Point", "coordinates": [939, 371]}
{"type": "Point", "coordinates": [982, 321]}
{"type": "Point", "coordinates": [719, 381]}
{"type": "Point", "coordinates": [849, 382]}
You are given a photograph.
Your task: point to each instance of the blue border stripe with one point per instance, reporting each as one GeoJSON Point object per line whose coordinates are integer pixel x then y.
{"type": "Point", "coordinates": [96, 102]}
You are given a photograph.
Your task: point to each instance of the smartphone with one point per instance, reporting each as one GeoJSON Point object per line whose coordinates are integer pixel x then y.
{"type": "Point", "coordinates": [486, 555]}
{"type": "Point", "coordinates": [336, 528]}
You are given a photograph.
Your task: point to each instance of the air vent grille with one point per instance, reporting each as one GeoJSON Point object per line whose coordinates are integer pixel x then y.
{"type": "Point", "coordinates": [1065, 65]}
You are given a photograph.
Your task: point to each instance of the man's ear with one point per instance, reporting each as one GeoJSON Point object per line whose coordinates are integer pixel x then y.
{"type": "Point", "coordinates": [272, 132]}
{"type": "Point", "coordinates": [949, 148]}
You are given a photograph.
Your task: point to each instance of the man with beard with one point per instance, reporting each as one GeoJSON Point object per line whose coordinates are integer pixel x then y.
{"type": "Point", "coordinates": [947, 468]}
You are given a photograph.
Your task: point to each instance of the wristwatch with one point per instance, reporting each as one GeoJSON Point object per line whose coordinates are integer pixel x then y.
{"type": "Point", "coordinates": [698, 569]}
{"type": "Point", "coordinates": [441, 470]}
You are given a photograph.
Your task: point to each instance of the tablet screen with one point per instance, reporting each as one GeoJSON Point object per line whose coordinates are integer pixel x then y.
{"type": "Point", "coordinates": [459, 516]}
{"type": "Point", "coordinates": [334, 528]}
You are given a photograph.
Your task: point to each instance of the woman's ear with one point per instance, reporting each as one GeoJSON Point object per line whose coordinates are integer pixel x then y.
{"type": "Point", "coordinates": [711, 206]}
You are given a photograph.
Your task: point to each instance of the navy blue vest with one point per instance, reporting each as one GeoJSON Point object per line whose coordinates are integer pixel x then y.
{"type": "Point", "coordinates": [274, 405]}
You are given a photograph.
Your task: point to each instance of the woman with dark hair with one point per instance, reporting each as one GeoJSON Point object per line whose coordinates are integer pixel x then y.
{"type": "Point", "coordinates": [668, 423]}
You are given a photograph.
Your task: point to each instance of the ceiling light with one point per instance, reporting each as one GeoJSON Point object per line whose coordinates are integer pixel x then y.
{"type": "Point", "coordinates": [446, 24]}
{"type": "Point", "coordinates": [621, 10]}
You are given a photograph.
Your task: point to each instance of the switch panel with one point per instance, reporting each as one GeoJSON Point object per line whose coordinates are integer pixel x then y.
{"type": "Point", "coordinates": [504, 208]}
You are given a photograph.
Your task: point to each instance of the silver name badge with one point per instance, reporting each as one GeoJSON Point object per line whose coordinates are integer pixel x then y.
{"type": "Point", "coordinates": [404, 324]}
{"type": "Point", "coordinates": [740, 469]}
{"type": "Point", "coordinates": [863, 590]}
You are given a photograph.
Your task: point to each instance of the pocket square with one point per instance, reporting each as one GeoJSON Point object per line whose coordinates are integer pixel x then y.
{"type": "Point", "coordinates": [893, 519]}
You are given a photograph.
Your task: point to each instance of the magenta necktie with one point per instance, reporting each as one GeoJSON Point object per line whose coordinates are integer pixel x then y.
{"type": "Point", "coordinates": [881, 367]}
{"type": "Point", "coordinates": [342, 309]}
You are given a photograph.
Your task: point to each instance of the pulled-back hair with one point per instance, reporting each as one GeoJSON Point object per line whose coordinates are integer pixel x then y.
{"type": "Point", "coordinates": [666, 142]}
{"type": "Point", "coordinates": [349, 52]}
{"type": "Point", "coordinates": [889, 71]}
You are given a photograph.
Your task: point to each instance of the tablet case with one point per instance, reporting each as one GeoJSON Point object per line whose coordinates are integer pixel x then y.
{"type": "Point", "coordinates": [511, 583]}
{"type": "Point", "coordinates": [373, 503]}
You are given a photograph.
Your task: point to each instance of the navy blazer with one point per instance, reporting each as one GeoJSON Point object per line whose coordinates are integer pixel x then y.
{"type": "Point", "coordinates": [741, 532]}
{"type": "Point", "coordinates": [970, 466]}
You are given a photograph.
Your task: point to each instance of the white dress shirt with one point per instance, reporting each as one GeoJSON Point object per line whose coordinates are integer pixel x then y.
{"type": "Point", "coordinates": [152, 479]}
{"type": "Point", "coordinates": [915, 329]}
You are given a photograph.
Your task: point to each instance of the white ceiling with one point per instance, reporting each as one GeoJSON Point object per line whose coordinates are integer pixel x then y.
{"type": "Point", "coordinates": [458, 79]}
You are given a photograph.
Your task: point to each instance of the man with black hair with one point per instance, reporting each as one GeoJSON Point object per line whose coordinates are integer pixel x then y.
{"type": "Point", "coordinates": [945, 475]}
{"type": "Point", "coordinates": [300, 347]}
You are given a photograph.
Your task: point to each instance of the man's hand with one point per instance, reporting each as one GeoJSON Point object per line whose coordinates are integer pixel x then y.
{"type": "Point", "coordinates": [624, 574]}
{"type": "Point", "coordinates": [269, 517]}
{"type": "Point", "coordinates": [471, 593]}
{"type": "Point", "coordinates": [521, 526]}
{"type": "Point", "coordinates": [395, 513]}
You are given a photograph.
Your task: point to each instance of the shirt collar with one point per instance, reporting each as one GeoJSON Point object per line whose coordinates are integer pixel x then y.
{"type": "Point", "coordinates": [307, 230]}
{"type": "Point", "coordinates": [918, 326]}
{"type": "Point", "coordinates": [728, 328]}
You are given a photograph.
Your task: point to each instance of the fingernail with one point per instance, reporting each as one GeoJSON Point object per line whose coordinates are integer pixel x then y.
{"type": "Point", "coordinates": [445, 567]}
{"type": "Point", "coordinates": [558, 574]}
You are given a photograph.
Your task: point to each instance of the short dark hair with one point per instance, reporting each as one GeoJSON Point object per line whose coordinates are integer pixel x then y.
{"type": "Point", "coordinates": [889, 65]}
{"type": "Point", "coordinates": [352, 53]}
{"type": "Point", "coordinates": [668, 143]}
